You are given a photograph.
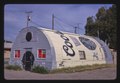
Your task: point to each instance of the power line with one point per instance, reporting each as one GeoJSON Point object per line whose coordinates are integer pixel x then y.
{"type": "Point", "coordinates": [60, 25]}
{"type": "Point", "coordinates": [29, 20]}
{"type": "Point", "coordinates": [75, 27]}
{"type": "Point", "coordinates": [62, 21]}
{"type": "Point", "coordinates": [36, 23]}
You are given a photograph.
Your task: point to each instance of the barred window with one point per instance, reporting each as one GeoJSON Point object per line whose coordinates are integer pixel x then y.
{"type": "Point", "coordinates": [88, 43]}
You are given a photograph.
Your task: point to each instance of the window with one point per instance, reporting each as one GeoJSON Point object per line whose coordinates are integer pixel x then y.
{"type": "Point", "coordinates": [88, 43]}
{"type": "Point", "coordinates": [76, 42]}
{"type": "Point", "coordinates": [28, 36]}
{"type": "Point", "coordinates": [41, 53]}
{"type": "Point", "coordinates": [82, 55]}
{"type": "Point", "coordinates": [17, 53]}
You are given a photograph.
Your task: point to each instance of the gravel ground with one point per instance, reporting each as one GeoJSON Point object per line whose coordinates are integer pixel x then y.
{"type": "Point", "coordinates": [98, 74]}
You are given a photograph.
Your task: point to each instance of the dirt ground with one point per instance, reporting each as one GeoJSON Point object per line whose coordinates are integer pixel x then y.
{"type": "Point", "coordinates": [98, 74]}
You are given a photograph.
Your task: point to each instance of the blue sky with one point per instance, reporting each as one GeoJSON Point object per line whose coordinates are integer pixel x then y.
{"type": "Point", "coordinates": [67, 14]}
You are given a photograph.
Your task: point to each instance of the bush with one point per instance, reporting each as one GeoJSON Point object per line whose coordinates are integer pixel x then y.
{"type": "Point", "coordinates": [40, 69]}
{"type": "Point", "coordinates": [13, 67]}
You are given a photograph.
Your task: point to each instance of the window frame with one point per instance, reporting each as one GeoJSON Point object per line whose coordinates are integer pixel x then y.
{"type": "Point", "coordinates": [31, 36]}
{"type": "Point", "coordinates": [82, 53]}
{"type": "Point", "coordinates": [17, 55]}
{"type": "Point", "coordinates": [88, 43]}
{"type": "Point", "coordinates": [75, 41]}
{"type": "Point", "coordinates": [38, 53]}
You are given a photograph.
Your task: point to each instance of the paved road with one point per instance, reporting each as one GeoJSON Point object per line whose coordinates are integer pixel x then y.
{"type": "Point", "coordinates": [98, 74]}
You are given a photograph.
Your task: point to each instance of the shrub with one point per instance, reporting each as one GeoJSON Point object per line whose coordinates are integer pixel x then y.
{"type": "Point", "coordinates": [13, 67]}
{"type": "Point", "coordinates": [40, 69]}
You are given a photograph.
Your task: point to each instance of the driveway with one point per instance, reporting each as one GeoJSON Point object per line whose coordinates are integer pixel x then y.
{"type": "Point", "coordinates": [98, 74]}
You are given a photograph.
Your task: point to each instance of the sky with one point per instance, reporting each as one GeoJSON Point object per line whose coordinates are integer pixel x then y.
{"type": "Point", "coordinates": [66, 17]}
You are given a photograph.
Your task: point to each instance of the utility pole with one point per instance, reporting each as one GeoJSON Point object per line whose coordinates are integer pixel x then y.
{"type": "Point", "coordinates": [78, 25]}
{"type": "Point", "coordinates": [28, 16]}
{"type": "Point", "coordinates": [75, 29]}
{"type": "Point", "coordinates": [53, 22]}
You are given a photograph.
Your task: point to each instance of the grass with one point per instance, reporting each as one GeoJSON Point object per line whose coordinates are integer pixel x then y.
{"type": "Point", "coordinates": [40, 69]}
{"type": "Point", "coordinates": [13, 67]}
{"type": "Point", "coordinates": [81, 68]}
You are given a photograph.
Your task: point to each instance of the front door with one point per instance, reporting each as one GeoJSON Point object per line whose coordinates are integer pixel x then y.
{"type": "Point", "coordinates": [28, 60]}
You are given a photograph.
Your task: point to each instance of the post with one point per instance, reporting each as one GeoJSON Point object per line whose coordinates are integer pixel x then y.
{"type": "Point", "coordinates": [28, 17]}
{"type": "Point", "coordinates": [75, 29]}
{"type": "Point", "coordinates": [78, 25]}
{"type": "Point", "coordinates": [27, 20]}
{"type": "Point", "coordinates": [53, 22]}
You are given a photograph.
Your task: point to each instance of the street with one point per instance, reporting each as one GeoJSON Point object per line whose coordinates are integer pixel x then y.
{"type": "Point", "coordinates": [98, 74]}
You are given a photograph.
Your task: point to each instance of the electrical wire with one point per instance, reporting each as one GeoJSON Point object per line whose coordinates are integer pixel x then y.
{"type": "Point", "coordinates": [62, 21]}
{"type": "Point", "coordinates": [36, 23]}
{"type": "Point", "coordinates": [67, 23]}
{"type": "Point", "coordinates": [59, 25]}
{"type": "Point", "coordinates": [58, 22]}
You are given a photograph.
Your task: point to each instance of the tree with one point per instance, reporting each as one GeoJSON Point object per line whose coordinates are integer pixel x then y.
{"type": "Point", "coordinates": [104, 26]}
{"type": "Point", "coordinates": [90, 30]}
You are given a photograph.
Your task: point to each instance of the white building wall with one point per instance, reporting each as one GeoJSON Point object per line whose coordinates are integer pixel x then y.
{"type": "Point", "coordinates": [38, 41]}
{"type": "Point", "coordinates": [68, 61]}
{"type": "Point", "coordinates": [56, 57]}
